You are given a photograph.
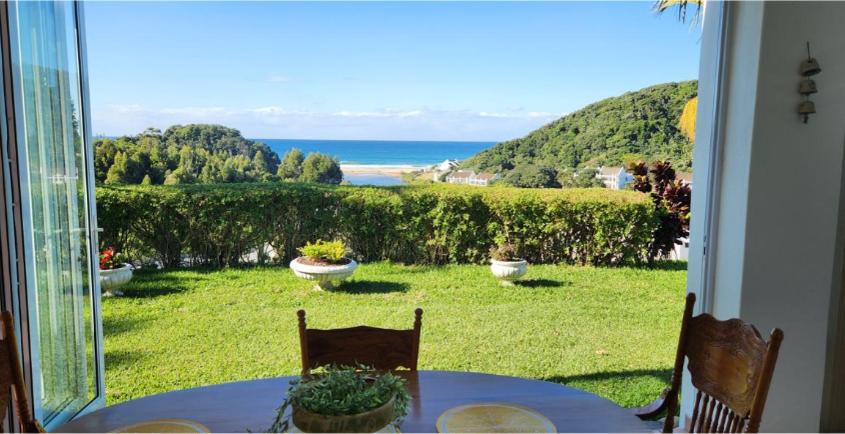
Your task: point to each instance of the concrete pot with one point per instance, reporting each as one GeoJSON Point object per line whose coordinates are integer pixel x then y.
{"type": "Point", "coordinates": [508, 271]}
{"type": "Point", "coordinates": [115, 278]}
{"type": "Point", "coordinates": [324, 276]}
{"type": "Point", "coordinates": [370, 421]}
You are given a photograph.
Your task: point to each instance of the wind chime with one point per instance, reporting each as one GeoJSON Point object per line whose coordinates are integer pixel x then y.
{"type": "Point", "coordinates": [809, 68]}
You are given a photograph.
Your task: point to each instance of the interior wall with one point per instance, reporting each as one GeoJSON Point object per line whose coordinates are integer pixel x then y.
{"type": "Point", "coordinates": [778, 200]}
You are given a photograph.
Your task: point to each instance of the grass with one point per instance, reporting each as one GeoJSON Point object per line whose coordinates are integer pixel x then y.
{"type": "Point", "coordinates": [611, 331]}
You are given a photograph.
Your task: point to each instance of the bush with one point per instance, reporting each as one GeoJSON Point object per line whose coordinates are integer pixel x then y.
{"type": "Point", "coordinates": [437, 224]}
{"type": "Point", "coordinates": [325, 251]}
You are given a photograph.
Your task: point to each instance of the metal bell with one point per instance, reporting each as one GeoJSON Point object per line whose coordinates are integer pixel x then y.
{"type": "Point", "coordinates": [810, 67]}
{"type": "Point", "coordinates": [807, 87]}
{"type": "Point", "coordinates": [806, 109]}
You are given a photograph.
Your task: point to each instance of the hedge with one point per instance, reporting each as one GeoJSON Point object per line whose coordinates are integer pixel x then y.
{"type": "Point", "coordinates": [221, 224]}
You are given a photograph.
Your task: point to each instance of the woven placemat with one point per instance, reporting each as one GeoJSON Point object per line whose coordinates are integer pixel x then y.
{"type": "Point", "coordinates": [493, 417]}
{"type": "Point", "coordinates": [165, 426]}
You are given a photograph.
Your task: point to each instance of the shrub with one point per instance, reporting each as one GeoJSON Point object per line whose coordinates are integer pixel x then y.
{"type": "Point", "coordinates": [504, 252]}
{"type": "Point", "coordinates": [324, 251]}
{"type": "Point", "coordinates": [435, 224]}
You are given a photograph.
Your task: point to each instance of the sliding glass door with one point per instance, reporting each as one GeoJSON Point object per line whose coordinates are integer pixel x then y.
{"type": "Point", "coordinates": [56, 209]}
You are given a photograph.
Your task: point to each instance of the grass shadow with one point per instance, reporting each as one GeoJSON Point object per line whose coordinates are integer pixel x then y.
{"type": "Point", "coordinates": [150, 284]}
{"type": "Point", "coordinates": [538, 283]}
{"type": "Point", "coordinates": [118, 358]}
{"type": "Point", "coordinates": [113, 326]}
{"type": "Point", "coordinates": [371, 287]}
{"type": "Point", "coordinates": [663, 375]}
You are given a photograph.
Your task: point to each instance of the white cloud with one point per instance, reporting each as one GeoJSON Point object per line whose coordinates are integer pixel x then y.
{"type": "Point", "coordinates": [278, 122]}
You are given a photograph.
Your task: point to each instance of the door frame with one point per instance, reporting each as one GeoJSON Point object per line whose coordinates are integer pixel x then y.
{"type": "Point", "coordinates": [13, 232]}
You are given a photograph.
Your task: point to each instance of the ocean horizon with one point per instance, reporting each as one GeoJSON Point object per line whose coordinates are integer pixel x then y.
{"type": "Point", "coordinates": [412, 153]}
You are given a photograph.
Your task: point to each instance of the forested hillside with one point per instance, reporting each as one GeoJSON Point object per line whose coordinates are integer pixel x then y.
{"type": "Point", "coordinates": [183, 154]}
{"type": "Point", "coordinates": [636, 125]}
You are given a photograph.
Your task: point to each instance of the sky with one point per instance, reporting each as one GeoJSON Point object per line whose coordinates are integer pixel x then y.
{"type": "Point", "coordinates": [386, 71]}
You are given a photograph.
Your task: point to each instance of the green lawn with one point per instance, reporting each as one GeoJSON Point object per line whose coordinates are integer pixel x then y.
{"type": "Point", "coordinates": [611, 331]}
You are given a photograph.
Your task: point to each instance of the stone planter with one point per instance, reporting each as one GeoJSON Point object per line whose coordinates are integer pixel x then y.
{"type": "Point", "coordinates": [370, 421]}
{"type": "Point", "coordinates": [324, 276]}
{"type": "Point", "coordinates": [508, 271]}
{"type": "Point", "coordinates": [112, 279]}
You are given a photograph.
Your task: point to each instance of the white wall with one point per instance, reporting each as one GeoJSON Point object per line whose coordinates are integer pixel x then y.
{"type": "Point", "coordinates": [777, 207]}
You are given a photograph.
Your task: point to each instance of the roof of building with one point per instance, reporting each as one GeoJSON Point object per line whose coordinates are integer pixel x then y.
{"type": "Point", "coordinates": [485, 176]}
{"type": "Point", "coordinates": [609, 170]}
{"type": "Point", "coordinates": [461, 174]}
{"type": "Point", "coordinates": [684, 176]}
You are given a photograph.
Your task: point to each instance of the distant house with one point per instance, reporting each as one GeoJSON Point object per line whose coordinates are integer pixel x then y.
{"type": "Point", "coordinates": [439, 171]}
{"type": "Point", "coordinates": [482, 179]}
{"type": "Point", "coordinates": [469, 177]}
{"type": "Point", "coordinates": [446, 165]}
{"type": "Point", "coordinates": [614, 177]}
{"type": "Point", "coordinates": [684, 177]}
{"type": "Point", "coordinates": [459, 177]}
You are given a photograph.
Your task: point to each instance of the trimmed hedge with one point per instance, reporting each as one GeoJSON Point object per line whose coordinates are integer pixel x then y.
{"type": "Point", "coordinates": [221, 224]}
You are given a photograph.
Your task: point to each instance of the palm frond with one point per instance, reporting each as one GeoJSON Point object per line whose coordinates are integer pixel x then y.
{"type": "Point", "coordinates": [661, 6]}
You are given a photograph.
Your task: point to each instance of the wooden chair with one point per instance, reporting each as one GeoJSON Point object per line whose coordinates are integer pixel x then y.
{"type": "Point", "coordinates": [381, 349]}
{"type": "Point", "coordinates": [11, 377]}
{"type": "Point", "coordinates": [731, 367]}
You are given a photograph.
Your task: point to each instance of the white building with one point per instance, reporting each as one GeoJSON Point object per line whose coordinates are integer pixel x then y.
{"type": "Point", "coordinates": [614, 177]}
{"type": "Point", "coordinates": [469, 177]}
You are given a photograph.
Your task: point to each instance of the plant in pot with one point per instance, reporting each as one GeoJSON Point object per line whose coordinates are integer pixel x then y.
{"type": "Point", "coordinates": [324, 262]}
{"type": "Point", "coordinates": [506, 264]}
{"type": "Point", "coordinates": [114, 273]}
{"type": "Point", "coordinates": [343, 399]}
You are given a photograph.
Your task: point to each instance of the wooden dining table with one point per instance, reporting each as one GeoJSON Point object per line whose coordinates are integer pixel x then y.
{"type": "Point", "coordinates": [251, 405]}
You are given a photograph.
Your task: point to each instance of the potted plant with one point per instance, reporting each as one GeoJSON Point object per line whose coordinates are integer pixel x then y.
{"type": "Point", "coordinates": [323, 262]}
{"type": "Point", "coordinates": [506, 264]}
{"type": "Point", "coordinates": [113, 272]}
{"type": "Point", "coordinates": [343, 399]}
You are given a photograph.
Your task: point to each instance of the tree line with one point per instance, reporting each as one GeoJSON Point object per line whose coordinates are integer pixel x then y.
{"type": "Point", "coordinates": [204, 154]}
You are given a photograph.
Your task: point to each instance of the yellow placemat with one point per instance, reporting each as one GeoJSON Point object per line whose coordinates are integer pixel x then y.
{"type": "Point", "coordinates": [493, 417]}
{"type": "Point", "coordinates": [165, 426]}
{"type": "Point", "coordinates": [390, 428]}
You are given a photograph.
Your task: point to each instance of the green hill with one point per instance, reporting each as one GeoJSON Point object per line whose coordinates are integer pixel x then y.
{"type": "Point", "coordinates": [641, 124]}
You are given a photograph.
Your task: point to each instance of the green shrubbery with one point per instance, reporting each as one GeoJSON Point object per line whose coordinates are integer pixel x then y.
{"type": "Point", "coordinates": [221, 224]}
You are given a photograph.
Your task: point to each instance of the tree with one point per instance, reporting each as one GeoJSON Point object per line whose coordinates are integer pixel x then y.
{"type": "Point", "coordinates": [119, 171]}
{"type": "Point", "coordinates": [672, 199]}
{"type": "Point", "coordinates": [582, 178]}
{"type": "Point", "coordinates": [189, 147]}
{"type": "Point", "coordinates": [291, 167]}
{"type": "Point", "coordinates": [146, 180]}
{"type": "Point", "coordinates": [687, 121]}
{"type": "Point", "coordinates": [532, 176]}
{"type": "Point", "coordinates": [259, 167]}
{"type": "Point", "coordinates": [321, 168]}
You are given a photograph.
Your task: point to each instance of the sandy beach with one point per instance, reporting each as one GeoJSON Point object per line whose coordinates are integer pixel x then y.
{"type": "Point", "coordinates": [378, 169]}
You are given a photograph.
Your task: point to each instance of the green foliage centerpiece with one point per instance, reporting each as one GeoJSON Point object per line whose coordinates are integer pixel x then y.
{"type": "Point", "coordinates": [343, 399]}
{"type": "Point", "coordinates": [323, 262]}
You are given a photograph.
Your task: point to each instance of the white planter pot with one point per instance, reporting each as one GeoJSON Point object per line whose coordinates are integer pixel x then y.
{"type": "Point", "coordinates": [508, 271]}
{"type": "Point", "coordinates": [116, 277]}
{"type": "Point", "coordinates": [324, 276]}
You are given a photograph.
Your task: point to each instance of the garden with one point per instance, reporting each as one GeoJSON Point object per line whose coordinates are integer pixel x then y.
{"type": "Point", "coordinates": [214, 300]}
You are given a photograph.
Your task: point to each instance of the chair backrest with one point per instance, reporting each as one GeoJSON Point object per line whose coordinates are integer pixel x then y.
{"type": "Point", "coordinates": [11, 377]}
{"type": "Point", "coordinates": [381, 349]}
{"type": "Point", "coordinates": [731, 367]}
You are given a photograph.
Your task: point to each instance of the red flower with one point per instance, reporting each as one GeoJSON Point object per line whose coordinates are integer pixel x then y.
{"type": "Point", "coordinates": [107, 259]}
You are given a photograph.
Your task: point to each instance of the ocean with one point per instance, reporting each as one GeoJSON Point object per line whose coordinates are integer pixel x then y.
{"type": "Point", "coordinates": [382, 153]}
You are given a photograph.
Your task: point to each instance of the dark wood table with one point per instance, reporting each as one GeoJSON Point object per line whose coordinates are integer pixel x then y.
{"type": "Point", "coordinates": [250, 405]}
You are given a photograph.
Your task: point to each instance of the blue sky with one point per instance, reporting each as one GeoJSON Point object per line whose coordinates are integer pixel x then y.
{"type": "Point", "coordinates": [403, 71]}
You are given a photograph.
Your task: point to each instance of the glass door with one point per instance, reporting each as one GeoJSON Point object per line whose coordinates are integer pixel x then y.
{"type": "Point", "coordinates": [56, 209]}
